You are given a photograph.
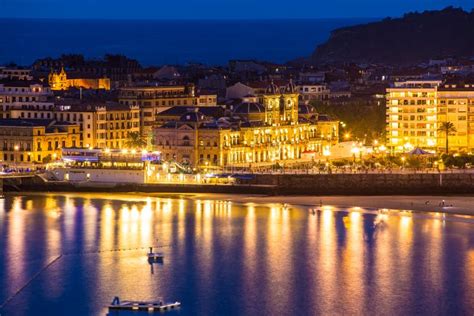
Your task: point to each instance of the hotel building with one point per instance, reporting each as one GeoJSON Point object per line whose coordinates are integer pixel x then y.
{"type": "Point", "coordinates": [155, 99]}
{"type": "Point", "coordinates": [101, 124]}
{"type": "Point", "coordinates": [456, 105]}
{"type": "Point", "coordinates": [15, 94]}
{"type": "Point", "coordinates": [260, 131]}
{"type": "Point", "coordinates": [35, 141]}
{"type": "Point", "coordinates": [416, 109]}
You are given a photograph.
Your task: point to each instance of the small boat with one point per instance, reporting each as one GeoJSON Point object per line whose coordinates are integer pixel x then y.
{"type": "Point", "coordinates": [155, 256]}
{"type": "Point", "coordinates": [151, 306]}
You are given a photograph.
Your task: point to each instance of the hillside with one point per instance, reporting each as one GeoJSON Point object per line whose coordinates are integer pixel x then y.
{"type": "Point", "coordinates": [413, 38]}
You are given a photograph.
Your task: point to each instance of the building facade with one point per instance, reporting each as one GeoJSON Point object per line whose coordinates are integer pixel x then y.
{"type": "Point", "coordinates": [15, 73]}
{"type": "Point", "coordinates": [15, 94]}
{"type": "Point", "coordinates": [417, 109]}
{"type": "Point", "coordinates": [62, 81]}
{"type": "Point", "coordinates": [311, 91]}
{"type": "Point", "coordinates": [253, 134]}
{"type": "Point", "coordinates": [35, 141]}
{"type": "Point", "coordinates": [101, 124]}
{"type": "Point", "coordinates": [154, 99]}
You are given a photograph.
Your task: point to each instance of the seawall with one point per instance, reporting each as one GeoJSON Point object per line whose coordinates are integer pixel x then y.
{"type": "Point", "coordinates": [285, 184]}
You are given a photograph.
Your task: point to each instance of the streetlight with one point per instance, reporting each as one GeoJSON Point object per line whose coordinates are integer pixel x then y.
{"type": "Point", "coordinates": [16, 148]}
{"type": "Point", "coordinates": [327, 153]}
{"type": "Point", "coordinates": [355, 151]}
{"type": "Point", "coordinates": [408, 146]}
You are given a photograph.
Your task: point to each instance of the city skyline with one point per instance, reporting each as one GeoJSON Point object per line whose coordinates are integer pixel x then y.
{"type": "Point", "coordinates": [213, 9]}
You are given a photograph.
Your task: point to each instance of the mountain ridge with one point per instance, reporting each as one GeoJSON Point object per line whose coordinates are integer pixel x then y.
{"type": "Point", "coordinates": [413, 38]}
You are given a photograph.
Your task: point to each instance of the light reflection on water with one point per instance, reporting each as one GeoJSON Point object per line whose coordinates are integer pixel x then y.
{"type": "Point", "coordinates": [226, 258]}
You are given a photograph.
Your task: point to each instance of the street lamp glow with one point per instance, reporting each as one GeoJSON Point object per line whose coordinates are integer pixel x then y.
{"type": "Point", "coordinates": [16, 148]}
{"type": "Point", "coordinates": [347, 136]}
{"type": "Point", "coordinates": [355, 150]}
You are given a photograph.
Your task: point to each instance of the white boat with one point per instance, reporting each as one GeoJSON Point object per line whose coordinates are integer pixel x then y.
{"type": "Point", "coordinates": [155, 256]}
{"type": "Point", "coordinates": [150, 306]}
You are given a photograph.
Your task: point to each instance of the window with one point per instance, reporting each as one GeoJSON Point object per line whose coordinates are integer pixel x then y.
{"type": "Point", "coordinates": [186, 141]}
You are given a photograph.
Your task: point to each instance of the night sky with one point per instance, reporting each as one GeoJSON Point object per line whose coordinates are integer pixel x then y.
{"type": "Point", "coordinates": [219, 9]}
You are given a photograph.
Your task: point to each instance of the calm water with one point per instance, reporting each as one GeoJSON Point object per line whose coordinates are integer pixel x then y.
{"type": "Point", "coordinates": [224, 258]}
{"type": "Point", "coordinates": [166, 42]}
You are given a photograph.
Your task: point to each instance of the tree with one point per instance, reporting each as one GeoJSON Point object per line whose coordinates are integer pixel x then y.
{"type": "Point", "coordinates": [135, 140]}
{"type": "Point", "coordinates": [447, 128]}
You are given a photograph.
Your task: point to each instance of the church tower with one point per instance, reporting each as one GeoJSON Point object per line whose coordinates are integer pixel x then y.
{"type": "Point", "coordinates": [290, 104]}
{"type": "Point", "coordinates": [272, 102]}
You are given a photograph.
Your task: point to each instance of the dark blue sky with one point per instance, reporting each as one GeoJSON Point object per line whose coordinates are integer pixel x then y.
{"type": "Point", "coordinates": [215, 9]}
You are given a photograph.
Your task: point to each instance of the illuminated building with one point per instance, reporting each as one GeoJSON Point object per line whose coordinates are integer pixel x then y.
{"type": "Point", "coordinates": [456, 105]}
{"type": "Point", "coordinates": [311, 91]}
{"type": "Point", "coordinates": [109, 165]}
{"type": "Point", "coordinates": [29, 140]}
{"type": "Point", "coordinates": [117, 68]}
{"type": "Point", "coordinates": [62, 81]}
{"type": "Point", "coordinates": [102, 124]}
{"type": "Point", "coordinates": [15, 94]}
{"type": "Point", "coordinates": [259, 131]}
{"type": "Point", "coordinates": [412, 115]}
{"type": "Point", "coordinates": [154, 99]}
{"type": "Point", "coordinates": [416, 110]}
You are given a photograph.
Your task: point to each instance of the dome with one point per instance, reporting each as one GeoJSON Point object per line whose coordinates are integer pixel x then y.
{"type": "Point", "coordinates": [290, 87]}
{"type": "Point", "coordinates": [273, 88]}
{"type": "Point", "coordinates": [249, 108]}
{"type": "Point", "coordinates": [192, 117]}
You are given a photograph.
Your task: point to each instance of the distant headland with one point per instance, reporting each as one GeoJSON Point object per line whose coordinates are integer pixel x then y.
{"type": "Point", "coordinates": [413, 38]}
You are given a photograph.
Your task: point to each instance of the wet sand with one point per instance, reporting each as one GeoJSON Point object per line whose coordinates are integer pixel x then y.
{"type": "Point", "coordinates": [453, 204]}
{"type": "Point", "coordinates": [463, 205]}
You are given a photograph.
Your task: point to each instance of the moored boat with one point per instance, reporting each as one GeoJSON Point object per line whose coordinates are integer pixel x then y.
{"type": "Point", "coordinates": [150, 306]}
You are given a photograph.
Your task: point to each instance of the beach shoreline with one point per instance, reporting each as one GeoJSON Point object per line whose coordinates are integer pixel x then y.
{"type": "Point", "coordinates": [453, 204]}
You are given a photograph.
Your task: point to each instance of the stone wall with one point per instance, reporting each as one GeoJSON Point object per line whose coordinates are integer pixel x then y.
{"type": "Point", "coordinates": [366, 184]}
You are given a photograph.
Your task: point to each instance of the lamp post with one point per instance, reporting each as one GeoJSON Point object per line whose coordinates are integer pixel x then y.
{"type": "Point", "coordinates": [326, 154]}
{"type": "Point", "coordinates": [16, 148]}
{"type": "Point", "coordinates": [355, 151]}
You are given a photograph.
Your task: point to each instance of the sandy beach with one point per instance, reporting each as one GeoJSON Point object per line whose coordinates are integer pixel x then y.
{"type": "Point", "coordinates": [452, 204]}
{"type": "Point", "coordinates": [462, 205]}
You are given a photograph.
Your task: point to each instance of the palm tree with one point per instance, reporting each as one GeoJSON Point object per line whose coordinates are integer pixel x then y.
{"type": "Point", "coordinates": [447, 128]}
{"type": "Point", "coordinates": [135, 140]}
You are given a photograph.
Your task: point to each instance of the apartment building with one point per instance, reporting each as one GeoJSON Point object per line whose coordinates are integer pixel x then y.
{"type": "Point", "coordinates": [154, 99]}
{"type": "Point", "coordinates": [417, 109]}
{"type": "Point", "coordinates": [15, 94]}
{"type": "Point", "coordinates": [101, 124]}
{"type": "Point", "coordinates": [35, 141]}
